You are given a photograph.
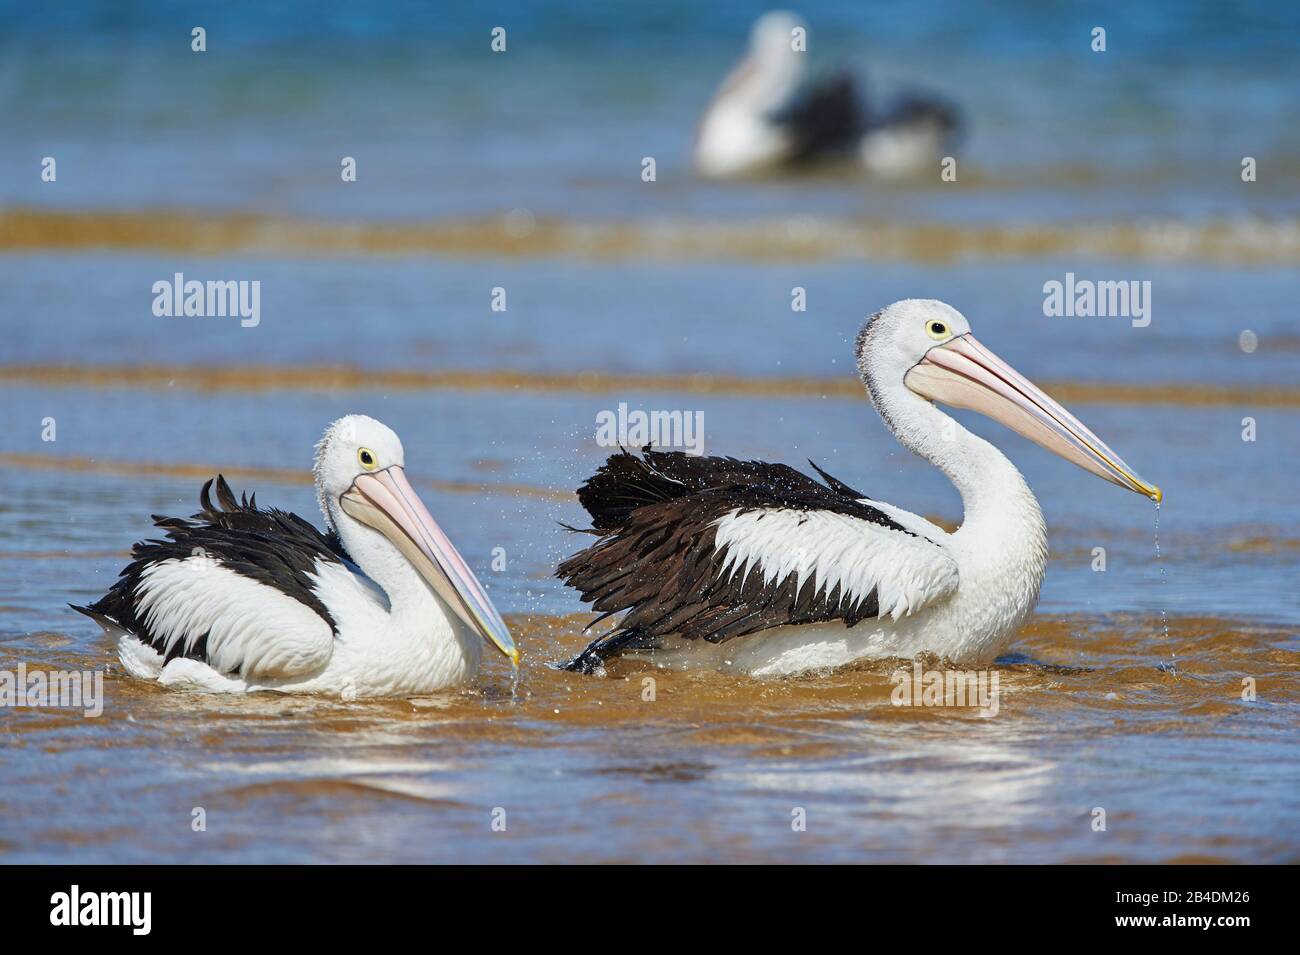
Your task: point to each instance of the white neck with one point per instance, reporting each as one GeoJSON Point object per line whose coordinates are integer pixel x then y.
{"type": "Point", "coordinates": [417, 615]}
{"type": "Point", "coordinates": [1001, 547]}
{"type": "Point", "coordinates": [981, 473]}
{"type": "Point", "coordinates": [763, 82]}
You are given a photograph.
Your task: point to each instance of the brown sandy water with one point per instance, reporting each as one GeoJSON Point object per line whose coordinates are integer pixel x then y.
{"type": "Point", "coordinates": [1098, 709]}
{"type": "Point", "coordinates": [648, 764]}
{"type": "Point", "coordinates": [271, 378]}
{"type": "Point", "coordinates": [797, 238]}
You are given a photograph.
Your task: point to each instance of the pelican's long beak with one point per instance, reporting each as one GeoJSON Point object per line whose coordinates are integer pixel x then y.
{"type": "Point", "coordinates": [386, 501]}
{"type": "Point", "coordinates": [964, 374]}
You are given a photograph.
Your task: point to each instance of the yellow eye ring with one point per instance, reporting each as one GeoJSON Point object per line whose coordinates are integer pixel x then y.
{"type": "Point", "coordinates": [367, 458]}
{"type": "Point", "coordinates": [936, 330]}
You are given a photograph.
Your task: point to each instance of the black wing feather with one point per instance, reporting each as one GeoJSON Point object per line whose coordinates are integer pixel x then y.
{"type": "Point", "coordinates": [270, 546]}
{"type": "Point", "coordinates": [825, 119]}
{"type": "Point", "coordinates": [657, 558]}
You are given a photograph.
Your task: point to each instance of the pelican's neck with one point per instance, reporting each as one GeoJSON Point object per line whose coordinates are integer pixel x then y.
{"type": "Point", "coordinates": [387, 566]}
{"type": "Point", "coordinates": [413, 608]}
{"type": "Point", "coordinates": [1001, 546]}
{"type": "Point", "coordinates": [994, 494]}
{"type": "Point", "coordinates": [762, 83]}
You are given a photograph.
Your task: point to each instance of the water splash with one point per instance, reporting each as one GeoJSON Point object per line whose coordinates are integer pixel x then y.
{"type": "Point", "coordinates": [515, 676]}
{"type": "Point", "coordinates": [1164, 610]}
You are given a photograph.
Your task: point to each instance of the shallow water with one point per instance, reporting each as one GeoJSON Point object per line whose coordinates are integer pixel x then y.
{"type": "Point", "coordinates": [712, 769]}
{"type": "Point", "coordinates": [521, 173]}
{"type": "Point", "coordinates": [1097, 709]}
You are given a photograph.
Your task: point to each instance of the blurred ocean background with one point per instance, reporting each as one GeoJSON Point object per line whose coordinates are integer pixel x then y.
{"type": "Point", "coordinates": [442, 126]}
{"type": "Point", "coordinates": [522, 170]}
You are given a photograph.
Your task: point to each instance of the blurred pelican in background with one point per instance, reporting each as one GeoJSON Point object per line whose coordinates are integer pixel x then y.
{"type": "Point", "coordinates": [770, 116]}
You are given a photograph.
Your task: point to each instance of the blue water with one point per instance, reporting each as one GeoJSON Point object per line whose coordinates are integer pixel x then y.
{"type": "Point", "coordinates": [683, 317]}
{"type": "Point", "coordinates": [560, 122]}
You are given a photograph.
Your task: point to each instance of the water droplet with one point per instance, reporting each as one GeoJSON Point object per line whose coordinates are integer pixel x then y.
{"type": "Point", "coordinates": [1164, 613]}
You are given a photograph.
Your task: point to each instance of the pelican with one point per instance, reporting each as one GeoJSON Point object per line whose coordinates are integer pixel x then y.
{"type": "Point", "coordinates": [768, 116]}
{"type": "Point", "coordinates": [241, 598]}
{"type": "Point", "coordinates": [760, 568]}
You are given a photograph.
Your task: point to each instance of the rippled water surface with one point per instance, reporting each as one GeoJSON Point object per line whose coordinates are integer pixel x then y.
{"type": "Point", "coordinates": [712, 769]}
{"type": "Point", "coordinates": [1098, 707]}
{"type": "Point", "coordinates": [522, 173]}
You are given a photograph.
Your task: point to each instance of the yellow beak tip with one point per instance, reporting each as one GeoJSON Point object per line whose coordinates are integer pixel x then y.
{"type": "Point", "coordinates": [1157, 495]}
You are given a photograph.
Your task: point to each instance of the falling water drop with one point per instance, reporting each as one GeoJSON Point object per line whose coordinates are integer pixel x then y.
{"type": "Point", "coordinates": [1164, 613]}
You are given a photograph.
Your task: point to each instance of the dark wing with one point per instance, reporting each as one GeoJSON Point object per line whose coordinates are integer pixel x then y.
{"type": "Point", "coordinates": [627, 482]}
{"type": "Point", "coordinates": [824, 119]}
{"type": "Point", "coordinates": [917, 110]}
{"type": "Point", "coordinates": [715, 548]}
{"type": "Point", "coordinates": [271, 547]}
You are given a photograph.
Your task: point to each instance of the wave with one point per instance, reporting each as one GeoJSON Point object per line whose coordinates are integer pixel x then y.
{"type": "Point", "coordinates": [331, 378]}
{"type": "Point", "coordinates": [203, 472]}
{"type": "Point", "coordinates": [1244, 241]}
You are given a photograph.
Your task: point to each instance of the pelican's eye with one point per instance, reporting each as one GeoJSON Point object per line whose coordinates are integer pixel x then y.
{"type": "Point", "coordinates": [367, 458]}
{"type": "Point", "coordinates": [936, 330]}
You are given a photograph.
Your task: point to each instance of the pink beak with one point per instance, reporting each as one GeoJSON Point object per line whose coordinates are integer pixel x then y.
{"type": "Point", "coordinates": [386, 501]}
{"type": "Point", "coordinates": [963, 373]}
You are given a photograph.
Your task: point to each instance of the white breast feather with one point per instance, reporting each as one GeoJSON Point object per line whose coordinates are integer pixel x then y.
{"type": "Point", "coordinates": [906, 572]}
{"type": "Point", "coordinates": [354, 600]}
{"type": "Point", "coordinates": [252, 627]}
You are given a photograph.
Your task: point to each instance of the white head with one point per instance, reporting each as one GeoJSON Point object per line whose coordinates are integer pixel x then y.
{"type": "Point", "coordinates": [897, 337]}
{"type": "Point", "coordinates": [778, 67]}
{"type": "Point", "coordinates": [362, 487]}
{"type": "Point", "coordinates": [353, 445]}
{"type": "Point", "coordinates": [923, 350]}
{"type": "Point", "coordinates": [772, 36]}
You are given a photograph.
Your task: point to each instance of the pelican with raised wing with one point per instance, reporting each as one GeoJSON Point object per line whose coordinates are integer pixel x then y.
{"type": "Point", "coordinates": [241, 598]}
{"type": "Point", "coordinates": [758, 567]}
